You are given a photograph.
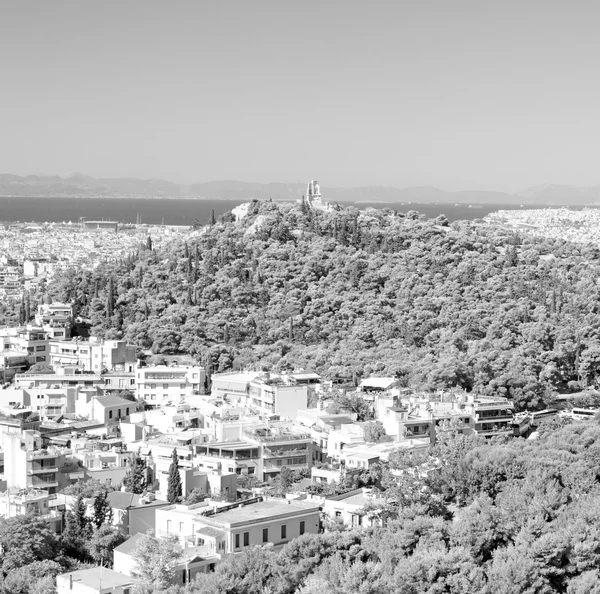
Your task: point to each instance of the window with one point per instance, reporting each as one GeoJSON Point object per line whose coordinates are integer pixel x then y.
{"type": "Point", "coordinates": [165, 386]}
{"type": "Point", "coordinates": [182, 386]}
{"type": "Point", "coordinates": [40, 348]}
{"type": "Point", "coordinates": [265, 535]}
{"type": "Point", "coordinates": [283, 531]}
{"type": "Point", "coordinates": [237, 541]}
{"type": "Point", "coordinates": [168, 526]}
{"type": "Point", "coordinates": [110, 414]}
{"type": "Point", "coordinates": [127, 412]}
{"type": "Point", "coordinates": [338, 514]}
{"type": "Point", "coordinates": [153, 386]}
{"type": "Point", "coordinates": [302, 527]}
{"type": "Point", "coordinates": [251, 470]}
{"type": "Point", "coordinates": [246, 538]}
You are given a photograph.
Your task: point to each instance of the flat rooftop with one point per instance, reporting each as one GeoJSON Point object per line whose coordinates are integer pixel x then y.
{"type": "Point", "coordinates": [94, 576]}
{"type": "Point", "coordinates": [262, 510]}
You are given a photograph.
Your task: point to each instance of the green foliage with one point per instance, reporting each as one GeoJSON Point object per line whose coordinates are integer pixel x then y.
{"type": "Point", "coordinates": [195, 496]}
{"type": "Point", "coordinates": [77, 530]}
{"type": "Point", "coordinates": [174, 479]}
{"type": "Point", "coordinates": [102, 511]}
{"type": "Point", "coordinates": [25, 540]}
{"type": "Point", "coordinates": [466, 305]}
{"type": "Point", "coordinates": [155, 562]}
{"type": "Point", "coordinates": [103, 542]}
{"type": "Point", "coordinates": [136, 479]}
{"type": "Point", "coordinates": [375, 432]}
{"type": "Point", "coordinates": [88, 489]}
{"type": "Point", "coordinates": [38, 577]}
{"type": "Point", "coordinates": [351, 402]}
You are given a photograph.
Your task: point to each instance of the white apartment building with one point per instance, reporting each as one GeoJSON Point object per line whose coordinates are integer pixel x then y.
{"type": "Point", "coordinates": [19, 502]}
{"type": "Point", "coordinates": [158, 385]}
{"type": "Point", "coordinates": [274, 396]}
{"type": "Point", "coordinates": [28, 465]}
{"type": "Point", "coordinates": [93, 355]}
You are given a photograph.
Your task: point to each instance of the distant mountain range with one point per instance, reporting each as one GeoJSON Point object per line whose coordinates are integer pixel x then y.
{"type": "Point", "coordinates": [84, 186]}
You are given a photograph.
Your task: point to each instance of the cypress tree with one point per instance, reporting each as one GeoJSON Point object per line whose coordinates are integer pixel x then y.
{"type": "Point", "coordinates": [135, 480]}
{"type": "Point", "coordinates": [102, 510]}
{"type": "Point", "coordinates": [149, 243]}
{"type": "Point", "coordinates": [174, 490]}
{"type": "Point", "coordinates": [110, 299]}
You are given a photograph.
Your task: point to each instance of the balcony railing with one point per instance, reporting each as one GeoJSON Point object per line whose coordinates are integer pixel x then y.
{"type": "Point", "coordinates": [282, 454]}
{"type": "Point", "coordinates": [40, 469]}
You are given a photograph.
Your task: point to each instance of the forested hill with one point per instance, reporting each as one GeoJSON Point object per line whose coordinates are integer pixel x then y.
{"type": "Point", "coordinates": [360, 292]}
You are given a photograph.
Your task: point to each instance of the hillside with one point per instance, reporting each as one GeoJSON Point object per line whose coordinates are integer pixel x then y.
{"type": "Point", "coordinates": [361, 292]}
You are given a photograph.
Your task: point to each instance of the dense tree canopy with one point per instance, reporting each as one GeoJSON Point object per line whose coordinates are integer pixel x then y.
{"type": "Point", "coordinates": [361, 292]}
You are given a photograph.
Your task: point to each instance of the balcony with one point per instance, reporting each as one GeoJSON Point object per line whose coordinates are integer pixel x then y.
{"type": "Point", "coordinates": [46, 484]}
{"type": "Point", "coordinates": [39, 454]}
{"type": "Point", "coordinates": [285, 453]}
{"type": "Point", "coordinates": [34, 469]}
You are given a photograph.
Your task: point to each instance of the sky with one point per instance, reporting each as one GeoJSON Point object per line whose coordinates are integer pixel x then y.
{"type": "Point", "coordinates": [480, 94]}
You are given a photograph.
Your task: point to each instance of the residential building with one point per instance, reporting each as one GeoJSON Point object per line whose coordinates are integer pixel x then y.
{"type": "Point", "coordinates": [64, 377]}
{"type": "Point", "coordinates": [53, 402]}
{"type": "Point", "coordinates": [17, 502]}
{"type": "Point", "coordinates": [55, 319]}
{"type": "Point", "coordinates": [186, 571]}
{"type": "Point", "coordinates": [169, 418]}
{"type": "Point", "coordinates": [27, 464]}
{"type": "Point", "coordinates": [360, 507]}
{"type": "Point", "coordinates": [158, 385]}
{"type": "Point", "coordinates": [235, 527]}
{"type": "Point", "coordinates": [94, 355]}
{"type": "Point", "coordinates": [20, 348]}
{"type": "Point", "coordinates": [109, 409]}
{"type": "Point", "coordinates": [271, 396]}
{"type": "Point", "coordinates": [263, 452]}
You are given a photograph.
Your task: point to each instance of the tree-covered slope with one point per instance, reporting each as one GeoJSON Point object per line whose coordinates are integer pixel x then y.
{"type": "Point", "coordinates": [360, 292]}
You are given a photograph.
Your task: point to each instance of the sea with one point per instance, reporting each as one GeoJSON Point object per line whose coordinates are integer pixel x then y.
{"type": "Point", "coordinates": [159, 211]}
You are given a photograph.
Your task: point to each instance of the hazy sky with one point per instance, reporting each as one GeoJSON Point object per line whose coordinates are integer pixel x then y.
{"type": "Point", "coordinates": [496, 94]}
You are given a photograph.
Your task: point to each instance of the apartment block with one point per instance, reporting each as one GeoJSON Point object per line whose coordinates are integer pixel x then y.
{"type": "Point", "coordinates": [158, 385]}
{"type": "Point", "coordinates": [29, 465]}
{"type": "Point", "coordinates": [271, 396]}
{"type": "Point", "coordinates": [94, 355]}
{"type": "Point", "coordinates": [17, 502]}
{"type": "Point", "coordinates": [55, 319]}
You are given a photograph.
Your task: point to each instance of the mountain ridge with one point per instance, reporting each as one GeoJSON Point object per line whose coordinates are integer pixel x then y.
{"type": "Point", "coordinates": [78, 185]}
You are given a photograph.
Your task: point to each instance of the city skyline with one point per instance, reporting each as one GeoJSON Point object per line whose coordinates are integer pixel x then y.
{"type": "Point", "coordinates": [463, 96]}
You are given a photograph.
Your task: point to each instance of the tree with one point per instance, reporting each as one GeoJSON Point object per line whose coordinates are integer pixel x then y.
{"type": "Point", "coordinates": [174, 483]}
{"type": "Point", "coordinates": [35, 578]}
{"type": "Point", "coordinates": [374, 431]}
{"type": "Point", "coordinates": [136, 479]}
{"type": "Point", "coordinates": [102, 511]}
{"type": "Point", "coordinates": [103, 542]}
{"type": "Point", "coordinates": [40, 368]}
{"type": "Point", "coordinates": [155, 562]}
{"type": "Point", "coordinates": [24, 540]}
{"type": "Point", "coordinates": [195, 496]}
{"type": "Point", "coordinates": [77, 530]}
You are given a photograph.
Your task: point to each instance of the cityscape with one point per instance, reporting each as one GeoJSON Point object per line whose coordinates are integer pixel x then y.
{"type": "Point", "coordinates": [299, 298]}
